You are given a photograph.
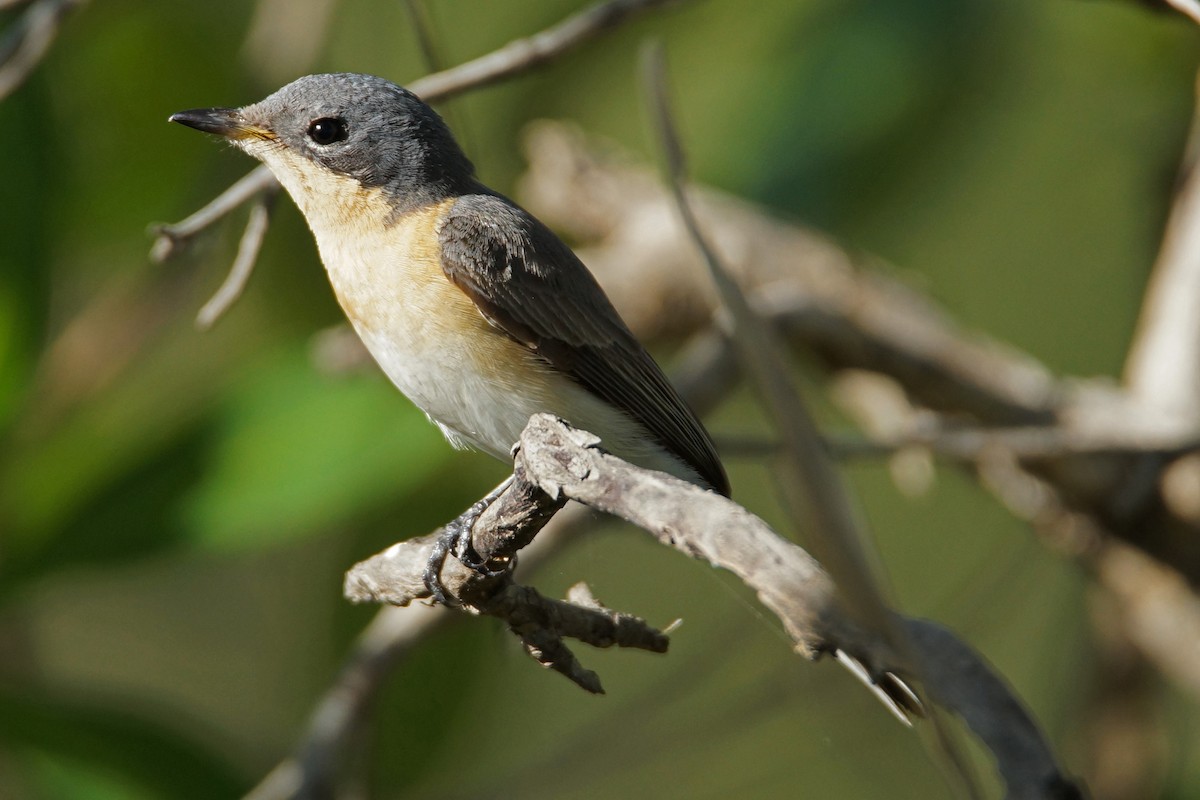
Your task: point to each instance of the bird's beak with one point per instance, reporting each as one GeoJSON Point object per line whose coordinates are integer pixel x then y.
{"type": "Point", "coordinates": [227, 122]}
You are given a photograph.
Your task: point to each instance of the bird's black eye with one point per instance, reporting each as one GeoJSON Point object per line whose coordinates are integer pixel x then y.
{"type": "Point", "coordinates": [328, 130]}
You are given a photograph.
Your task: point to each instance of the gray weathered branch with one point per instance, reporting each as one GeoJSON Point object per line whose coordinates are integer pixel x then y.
{"type": "Point", "coordinates": [556, 462]}
{"type": "Point", "coordinates": [507, 525]}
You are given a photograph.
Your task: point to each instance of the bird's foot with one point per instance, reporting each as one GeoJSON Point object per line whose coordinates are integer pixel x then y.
{"type": "Point", "coordinates": [455, 539]}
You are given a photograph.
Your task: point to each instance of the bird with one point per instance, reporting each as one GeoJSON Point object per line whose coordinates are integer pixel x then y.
{"type": "Point", "coordinates": [470, 305]}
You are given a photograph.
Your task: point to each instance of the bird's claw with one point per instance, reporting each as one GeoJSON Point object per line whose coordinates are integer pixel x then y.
{"type": "Point", "coordinates": [455, 539]}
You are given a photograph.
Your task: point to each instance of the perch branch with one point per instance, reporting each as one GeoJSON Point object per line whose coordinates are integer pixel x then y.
{"type": "Point", "coordinates": [556, 462]}
{"type": "Point", "coordinates": [507, 525]}
{"type": "Point", "coordinates": [793, 586]}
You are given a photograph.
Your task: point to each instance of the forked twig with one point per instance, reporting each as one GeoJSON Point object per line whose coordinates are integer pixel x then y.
{"type": "Point", "coordinates": [169, 239]}
{"type": "Point", "coordinates": [247, 255]}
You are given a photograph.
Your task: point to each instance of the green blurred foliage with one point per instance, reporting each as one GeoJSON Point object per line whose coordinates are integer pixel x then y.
{"type": "Point", "coordinates": [177, 508]}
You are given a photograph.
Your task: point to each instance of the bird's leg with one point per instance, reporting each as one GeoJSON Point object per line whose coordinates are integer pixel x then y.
{"type": "Point", "coordinates": [455, 539]}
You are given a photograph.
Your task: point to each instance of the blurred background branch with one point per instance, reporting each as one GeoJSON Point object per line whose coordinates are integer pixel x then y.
{"type": "Point", "coordinates": [25, 43]}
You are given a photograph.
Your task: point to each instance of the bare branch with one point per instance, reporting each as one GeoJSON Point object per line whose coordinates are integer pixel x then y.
{"type": "Point", "coordinates": [794, 587]}
{"type": "Point", "coordinates": [243, 264]}
{"type": "Point", "coordinates": [312, 772]}
{"type": "Point", "coordinates": [26, 43]}
{"type": "Point", "coordinates": [556, 462]}
{"type": "Point", "coordinates": [507, 525]}
{"type": "Point", "coordinates": [1162, 371]}
{"type": "Point", "coordinates": [524, 55]}
{"type": "Point", "coordinates": [1189, 8]}
{"type": "Point", "coordinates": [959, 679]}
{"type": "Point", "coordinates": [561, 462]}
{"type": "Point", "coordinates": [169, 239]}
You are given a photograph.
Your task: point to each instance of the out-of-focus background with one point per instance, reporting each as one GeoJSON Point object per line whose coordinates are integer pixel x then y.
{"type": "Point", "coordinates": [177, 508]}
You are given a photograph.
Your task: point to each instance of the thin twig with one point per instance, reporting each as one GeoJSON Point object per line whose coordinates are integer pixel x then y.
{"type": "Point", "coordinates": [247, 254]}
{"type": "Point", "coordinates": [26, 43]}
{"type": "Point", "coordinates": [418, 17]}
{"type": "Point", "coordinates": [824, 509]}
{"type": "Point", "coordinates": [169, 239]}
{"type": "Point", "coordinates": [526, 54]}
{"type": "Point", "coordinates": [965, 446]}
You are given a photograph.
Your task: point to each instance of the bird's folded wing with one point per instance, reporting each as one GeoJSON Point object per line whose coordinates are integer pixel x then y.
{"type": "Point", "coordinates": [529, 284]}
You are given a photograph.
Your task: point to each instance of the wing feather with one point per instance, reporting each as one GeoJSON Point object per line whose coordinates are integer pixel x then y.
{"type": "Point", "coordinates": [528, 283]}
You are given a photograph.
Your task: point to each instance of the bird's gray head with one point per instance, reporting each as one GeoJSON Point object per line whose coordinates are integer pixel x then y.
{"type": "Point", "coordinates": [354, 126]}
